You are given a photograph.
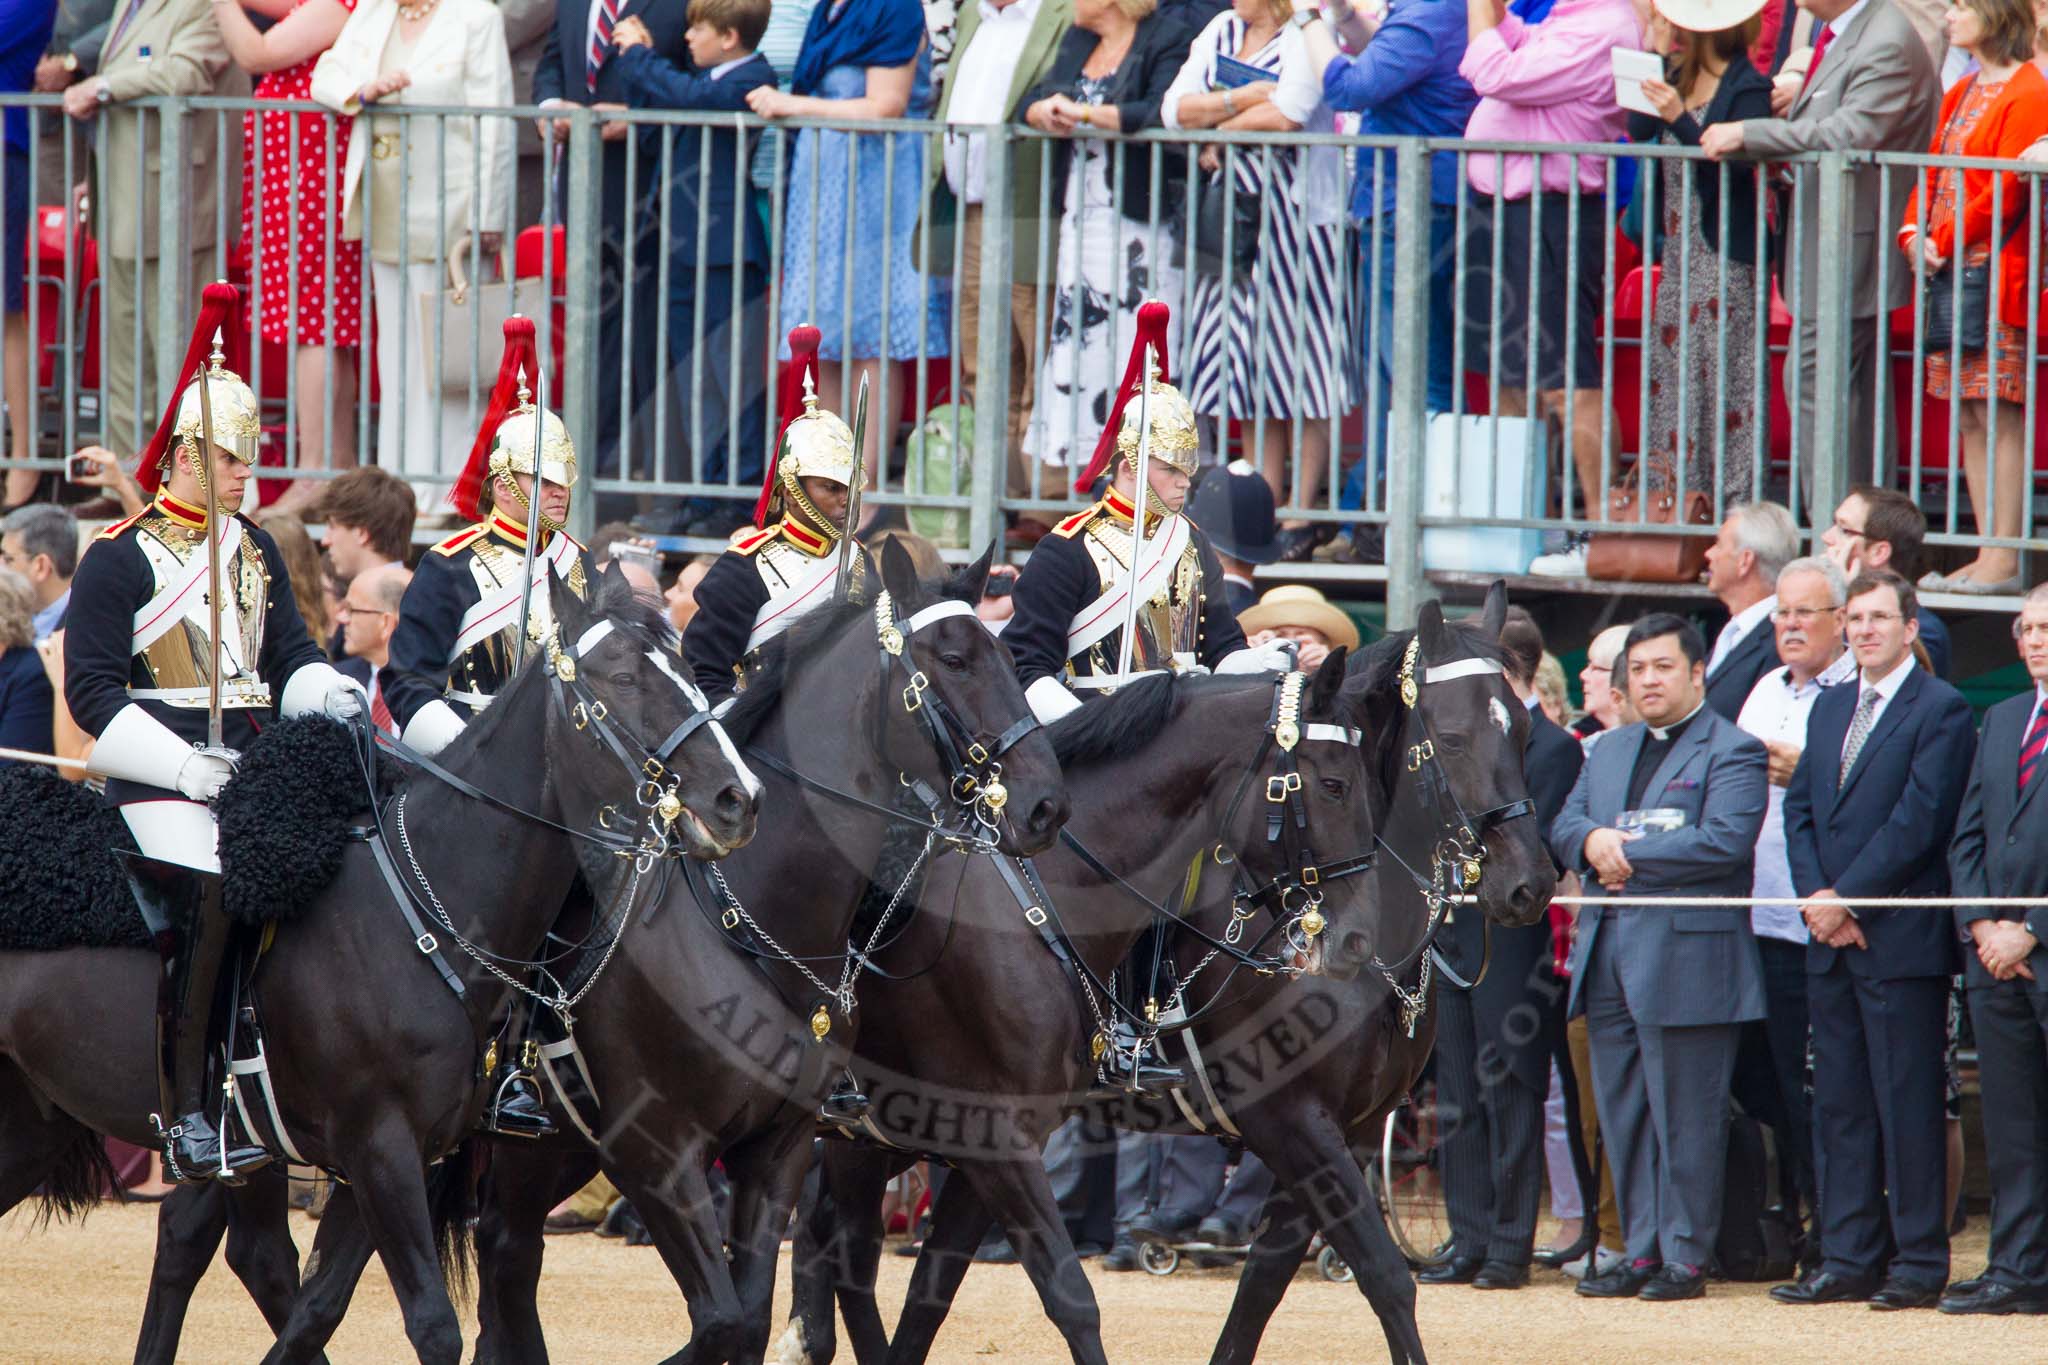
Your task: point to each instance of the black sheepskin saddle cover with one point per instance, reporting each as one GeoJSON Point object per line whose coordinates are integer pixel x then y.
{"type": "Point", "coordinates": [284, 819]}
{"type": "Point", "coordinates": [284, 823]}
{"type": "Point", "coordinates": [60, 884]}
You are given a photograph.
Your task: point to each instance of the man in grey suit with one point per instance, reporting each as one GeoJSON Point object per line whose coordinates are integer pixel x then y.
{"type": "Point", "coordinates": [1669, 806]}
{"type": "Point", "coordinates": [1871, 87]}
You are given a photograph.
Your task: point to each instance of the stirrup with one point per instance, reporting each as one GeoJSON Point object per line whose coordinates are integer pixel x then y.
{"type": "Point", "coordinates": [845, 1107]}
{"type": "Point", "coordinates": [517, 1109]}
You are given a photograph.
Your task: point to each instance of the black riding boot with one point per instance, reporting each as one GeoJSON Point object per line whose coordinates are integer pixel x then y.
{"type": "Point", "coordinates": [519, 1110]}
{"type": "Point", "coordinates": [1132, 1065]}
{"type": "Point", "coordinates": [183, 910]}
{"type": "Point", "coordinates": [846, 1106]}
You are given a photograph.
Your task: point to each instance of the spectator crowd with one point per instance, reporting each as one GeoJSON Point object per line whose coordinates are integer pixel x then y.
{"type": "Point", "coordinates": [375, 230]}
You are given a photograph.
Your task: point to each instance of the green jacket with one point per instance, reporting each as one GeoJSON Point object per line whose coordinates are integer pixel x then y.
{"type": "Point", "coordinates": [1051, 23]}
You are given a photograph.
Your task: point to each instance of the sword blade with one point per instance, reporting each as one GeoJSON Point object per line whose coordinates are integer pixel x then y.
{"type": "Point", "coordinates": [214, 729]}
{"type": "Point", "coordinates": [48, 760]}
{"type": "Point", "coordinates": [540, 406]}
{"type": "Point", "coordinates": [1143, 498]}
{"type": "Point", "coordinates": [854, 489]}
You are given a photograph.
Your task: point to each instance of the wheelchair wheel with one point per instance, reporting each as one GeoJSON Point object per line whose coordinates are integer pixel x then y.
{"type": "Point", "coordinates": [1411, 1183]}
{"type": "Point", "coordinates": [1332, 1266]}
{"type": "Point", "coordinates": [1158, 1258]}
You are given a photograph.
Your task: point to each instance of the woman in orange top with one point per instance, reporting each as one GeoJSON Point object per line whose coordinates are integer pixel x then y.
{"type": "Point", "coordinates": [1997, 114]}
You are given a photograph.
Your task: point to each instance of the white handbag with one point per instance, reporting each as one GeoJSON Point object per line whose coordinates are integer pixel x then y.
{"type": "Point", "coordinates": [471, 317]}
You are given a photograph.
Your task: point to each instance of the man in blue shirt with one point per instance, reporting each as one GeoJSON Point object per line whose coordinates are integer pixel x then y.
{"type": "Point", "coordinates": [1401, 75]}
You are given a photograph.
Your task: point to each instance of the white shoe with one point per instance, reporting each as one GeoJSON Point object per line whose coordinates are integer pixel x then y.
{"type": "Point", "coordinates": [1934, 582]}
{"type": "Point", "coordinates": [1603, 1261]}
{"type": "Point", "coordinates": [1567, 563]}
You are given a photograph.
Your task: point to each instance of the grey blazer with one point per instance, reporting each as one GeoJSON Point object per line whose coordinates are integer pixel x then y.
{"type": "Point", "coordinates": [1876, 90]}
{"type": "Point", "coordinates": [1680, 967]}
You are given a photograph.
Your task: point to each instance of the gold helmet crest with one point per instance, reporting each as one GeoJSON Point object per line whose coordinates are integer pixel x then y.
{"type": "Point", "coordinates": [1175, 439]}
{"type": "Point", "coordinates": [237, 417]}
{"type": "Point", "coordinates": [512, 446]}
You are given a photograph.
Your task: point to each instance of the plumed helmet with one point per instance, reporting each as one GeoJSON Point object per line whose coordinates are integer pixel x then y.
{"type": "Point", "coordinates": [817, 444]}
{"type": "Point", "coordinates": [513, 445]}
{"type": "Point", "coordinates": [1175, 440]}
{"type": "Point", "coordinates": [237, 418]}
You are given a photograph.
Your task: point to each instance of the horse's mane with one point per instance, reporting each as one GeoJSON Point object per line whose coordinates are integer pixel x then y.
{"type": "Point", "coordinates": [1376, 669]}
{"type": "Point", "coordinates": [802, 640]}
{"type": "Point", "coordinates": [1124, 722]}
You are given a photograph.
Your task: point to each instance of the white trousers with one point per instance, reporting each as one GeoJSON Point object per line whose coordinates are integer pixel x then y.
{"type": "Point", "coordinates": [419, 436]}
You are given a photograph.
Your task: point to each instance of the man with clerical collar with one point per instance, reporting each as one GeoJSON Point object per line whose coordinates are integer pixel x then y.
{"type": "Point", "coordinates": [142, 666]}
{"type": "Point", "coordinates": [788, 566]}
{"type": "Point", "coordinates": [1072, 595]}
{"type": "Point", "coordinates": [456, 643]}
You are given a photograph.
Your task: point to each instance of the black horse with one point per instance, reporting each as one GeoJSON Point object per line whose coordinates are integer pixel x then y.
{"type": "Point", "coordinates": [695, 1052]}
{"type": "Point", "coordinates": [1184, 798]}
{"type": "Point", "coordinates": [377, 1063]}
{"type": "Point", "coordinates": [1302, 1070]}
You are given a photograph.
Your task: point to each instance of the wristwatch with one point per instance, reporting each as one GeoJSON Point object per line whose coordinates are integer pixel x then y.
{"type": "Point", "coordinates": [69, 61]}
{"type": "Point", "coordinates": [1302, 18]}
{"type": "Point", "coordinates": [103, 95]}
{"type": "Point", "coordinates": [1230, 103]}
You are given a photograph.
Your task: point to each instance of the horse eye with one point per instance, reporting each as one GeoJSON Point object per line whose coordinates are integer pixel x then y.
{"type": "Point", "coordinates": [953, 663]}
{"type": "Point", "coordinates": [625, 680]}
{"type": "Point", "coordinates": [1336, 788]}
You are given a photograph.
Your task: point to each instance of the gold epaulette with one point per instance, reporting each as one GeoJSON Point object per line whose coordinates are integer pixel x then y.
{"type": "Point", "coordinates": [754, 540]}
{"type": "Point", "coordinates": [459, 541]}
{"type": "Point", "coordinates": [115, 529]}
{"type": "Point", "coordinates": [1077, 523]}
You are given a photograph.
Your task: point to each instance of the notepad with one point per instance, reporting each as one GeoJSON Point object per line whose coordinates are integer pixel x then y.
{"type": "Point", "coordinates": [1232, 74]}
{"type": "Point", "coordinates": [1631, 69]}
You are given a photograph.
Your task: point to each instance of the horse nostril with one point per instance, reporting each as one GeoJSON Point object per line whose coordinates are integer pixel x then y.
{"type": "Point", "coordinates": [1048, 814]}
{"type": "Point", "coordinates": [1357, 947]}
{"type": "Point", "coordinates": [732, 805]}
{"type": "Point", "coordinates": [1522, 900]}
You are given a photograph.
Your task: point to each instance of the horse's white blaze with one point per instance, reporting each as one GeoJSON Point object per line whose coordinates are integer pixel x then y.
{"type": "Point", "coordinates": [1498, 714]}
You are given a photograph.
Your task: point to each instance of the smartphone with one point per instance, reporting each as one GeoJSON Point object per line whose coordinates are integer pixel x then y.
{"type": "Point", "coordinates": [999, 585]}
{"type": "Point", "coordinates": [80, 467]}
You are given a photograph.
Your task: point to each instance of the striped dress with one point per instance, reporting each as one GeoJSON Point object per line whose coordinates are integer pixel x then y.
{"type": "Point", "coordinates": [1274, 344]}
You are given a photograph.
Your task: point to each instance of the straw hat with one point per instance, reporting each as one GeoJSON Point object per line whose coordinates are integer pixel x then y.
{"type": "Point", "coordinates": [1708, 16]}
{"type": "Point", "coordinates": [1297, 604]}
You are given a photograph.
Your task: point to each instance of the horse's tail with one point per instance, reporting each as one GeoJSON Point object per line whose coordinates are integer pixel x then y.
{"type": "Point", "coordinates": [79, 1175]}
{"type": "Point", "coordinates": [451, 1201]}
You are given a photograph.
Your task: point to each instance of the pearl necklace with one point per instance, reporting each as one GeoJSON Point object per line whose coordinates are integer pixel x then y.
{"type": "Point", "coordinates": [414, 13]}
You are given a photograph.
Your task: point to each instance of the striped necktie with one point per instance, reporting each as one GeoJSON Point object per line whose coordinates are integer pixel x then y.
{"type": "Point", "coordinates": [600, 41]}
{"type": "Point", "coordinates": [1859, 730]}
{"type": "Point", "coordinates": [380, 713]}
{"type": "Point", "coordinates": [2032, 747]}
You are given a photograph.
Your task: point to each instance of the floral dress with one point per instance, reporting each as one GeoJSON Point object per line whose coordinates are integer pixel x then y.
{"type": "Point", "coordinates": [1972, 379]}
{"type": "Point", "coordinates": [291, 216]}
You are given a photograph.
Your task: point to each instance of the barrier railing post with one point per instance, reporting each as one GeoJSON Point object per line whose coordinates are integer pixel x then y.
{"type": "Point", "coordinates": [1408, 434]}
{"type": "Point", "coordinates": [991, 343]}
{"type": "Point", "coordinates": [173, 327]}
{"type": "Point", "coordinates": [1831, 395]}
{"type": "Point", "coordinates": [581, 308]}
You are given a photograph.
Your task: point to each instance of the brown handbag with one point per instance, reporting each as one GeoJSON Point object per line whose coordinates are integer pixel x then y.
{"type": "Point", "coordinates": [1636, 557]}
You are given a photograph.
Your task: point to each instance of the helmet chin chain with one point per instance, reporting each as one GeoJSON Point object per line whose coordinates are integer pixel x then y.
{"type": "Point", "coordinates": [533, 514]}
{"type": "Point", "coordinates": [818, 520]}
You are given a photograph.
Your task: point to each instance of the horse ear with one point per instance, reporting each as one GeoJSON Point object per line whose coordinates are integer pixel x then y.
{"type": "Point", "coordinates": [1429, 627]}
{"type": "Point", "coordinates": [899, 575]}
{"type": "Point", "coordinates": [1494, 614]}
{"type": "Point", "coordinates": [573, 612]}
{"type": "Point", "coordinates": [1324, 687]}
{"type": "Point", "coordinates": [973, 579]}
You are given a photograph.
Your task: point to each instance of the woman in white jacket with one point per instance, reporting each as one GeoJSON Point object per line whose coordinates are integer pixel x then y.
{"type": "Point", "coordinates": [413, 188]}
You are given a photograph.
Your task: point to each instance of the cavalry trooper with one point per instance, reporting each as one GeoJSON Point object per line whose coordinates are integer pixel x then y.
{"type": "Point", "coordinates": [183, 640]}
{"type": "Point", "coordinates": [1072, 596]}
{"type": "Point", "coordinates": [456, 644]}
{"type": "Point", "coordinates": [788, 566]}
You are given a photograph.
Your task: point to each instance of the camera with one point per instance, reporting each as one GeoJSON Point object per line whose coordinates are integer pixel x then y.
{"type": "Point", "coordinates": [80, 467]}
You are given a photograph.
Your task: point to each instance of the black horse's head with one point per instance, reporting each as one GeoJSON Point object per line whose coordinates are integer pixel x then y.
{"type": "Point", "coordinates": [954, 713]}
{"type": "Point", "coordinates": [1450, 760]}
{"type": "Point", "coordinates": [628, 715]}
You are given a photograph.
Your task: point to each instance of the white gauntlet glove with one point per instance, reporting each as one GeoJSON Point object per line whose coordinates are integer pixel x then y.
{"type": "Point", "coordinates": [1271, 657]}
{"type": "Point", "coordinates": [344, 701]}
{"type": "Point", "coordinates": [206, 772]}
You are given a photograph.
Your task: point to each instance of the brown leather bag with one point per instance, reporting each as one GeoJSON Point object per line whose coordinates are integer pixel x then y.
{"type": "Point", "coordinates": [1635, 557]}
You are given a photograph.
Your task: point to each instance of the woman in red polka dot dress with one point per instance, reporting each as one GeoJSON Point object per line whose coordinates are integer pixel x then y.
{"type": "Point", "coordinates": [291, 217]}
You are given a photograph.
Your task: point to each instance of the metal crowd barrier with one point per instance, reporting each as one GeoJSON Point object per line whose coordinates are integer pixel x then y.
{"type": "Point", "coordinates": [1351, 441]}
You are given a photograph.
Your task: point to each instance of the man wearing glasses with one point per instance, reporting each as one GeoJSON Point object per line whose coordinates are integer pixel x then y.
{"type": "Point", "coordinates": [2001, 849]}
{"type": "Point", "coordinates": [1770, 1069]}
{"type": "Point", "coordinates": [1868, 815]}
{"type": "Point", "coordinates": [368, 616]}
{"type": "Point", "coordinates": [1882, 528]}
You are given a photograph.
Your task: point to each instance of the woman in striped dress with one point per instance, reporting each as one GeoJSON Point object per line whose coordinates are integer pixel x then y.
{"type": "Point", "coordinates": [1273, 343]}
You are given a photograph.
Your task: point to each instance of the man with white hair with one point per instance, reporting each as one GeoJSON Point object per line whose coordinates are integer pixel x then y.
{"type": "Point", "coordinates": [1597, 686]}
{"type": "Point", "coordinates": [1755, 543]}
{"type": "Point", "coordinates": [1770, 1070]}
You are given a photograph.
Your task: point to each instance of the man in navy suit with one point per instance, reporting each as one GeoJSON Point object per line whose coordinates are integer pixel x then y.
{"type": "Point", "coordinates": [1668, 806]}
{"type": "Point", "coordinates": [1494, 1039]}
{"type": "Point", "coordinates": [1756, 541]}
{"type": "Point", "coordinates": [579, 66]}
{"type": "Point", "coordinates": [1868, 814]}
{"type": "Point", "coordinates": [2001, 849]}
{"type": "Point", "coordinates": [722, 297]}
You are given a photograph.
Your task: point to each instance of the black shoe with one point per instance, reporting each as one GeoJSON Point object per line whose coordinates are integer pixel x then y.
{"type": "Point", "coordinates": [844, 1107]}
{"type": "Point", "coordinates": [1457, 1270]}
{"type": "Point", "coordinates": [911, 1248]}
{"type": "Point", "coordinates": [1622, 1282]}
{"type": "Point", "coordinates": [625, 1221]}
{"type": "Point", "coordinates": [1117, 1075]}
{"type": "Point", "coordinates": [519, 1111]}
{"type": "Point", "coordinates": [1298, 543]}
{"type": "Point", "coordinates": [1826, 1287]}
{"type": "Point", "coordinates": [1674, 1282]}
{"type": "Point", "coordinates": [998, 1252]}
{"type": "Point", "coordinates": [1158, 1227]}
{"type": "Point", "coordinates": [1965, 1288]}
{"type": "Point", "coordinates": [1088, 1251]}
{"type": "Point", "coordinates": [192, 1153]}
{"type": "Point", "coordinates": [1501, 1275]}
{"type": "Point", "coordinates": [1221, 1231]}
{"type": "Point", "coordinates": [1990, 1298]}
{"type": "Point", "coordinates": [1122, 1256]}
{"type": "Point", "coordinates": [1898, 1294]}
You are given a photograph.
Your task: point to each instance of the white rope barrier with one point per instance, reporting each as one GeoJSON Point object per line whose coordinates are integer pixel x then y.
{"type": "Point", "coordinates": [1793, 902]}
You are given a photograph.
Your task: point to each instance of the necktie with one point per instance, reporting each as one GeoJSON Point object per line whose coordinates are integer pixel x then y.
{"type": "Point", "coordinates": [380, 714]}
{"type": "Point", "coordinates": [600, 41]}
{"type": "Point", "coordinates": [2033, 746]}
{"type": "Point", "coordinates": [1820, 50]}
{"type": "Point", "coordinates": [1859, 730]}
{"type": "Point", "coordinates": [127, 18]}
